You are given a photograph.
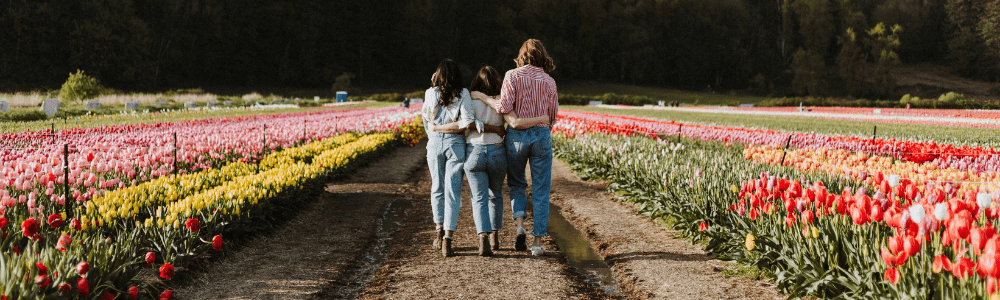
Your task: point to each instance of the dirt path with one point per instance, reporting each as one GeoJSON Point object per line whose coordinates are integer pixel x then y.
{"type": "Point", "coordinates": [322, 244]}
{"type": "Point", "coordinates": [326, 251]}
{"type": "Point", "coordinates": [648, 261]}
{"type": "Point", "coordinates": [415, 271]}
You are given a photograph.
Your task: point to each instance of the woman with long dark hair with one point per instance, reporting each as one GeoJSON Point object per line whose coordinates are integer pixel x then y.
{"type": "Point", "coordinates": [447, 101]}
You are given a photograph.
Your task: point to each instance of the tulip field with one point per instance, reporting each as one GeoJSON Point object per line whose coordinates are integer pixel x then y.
{"type": "Point", "coordinates": [832, 217]}
{"type": "Point", "coordinates": [112, 210]}
{"type": "Point", "coordinates": [85, 212]}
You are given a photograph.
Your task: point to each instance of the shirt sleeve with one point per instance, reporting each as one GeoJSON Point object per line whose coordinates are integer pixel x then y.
{"type": "Point", "coordinates": [507, 94]}
{"type": "Point", "coordinates": [426, 111]}
{"type": "Point", "coordinates": [467, 112]}
{"type": "Point", "coordinates": [554, 106]}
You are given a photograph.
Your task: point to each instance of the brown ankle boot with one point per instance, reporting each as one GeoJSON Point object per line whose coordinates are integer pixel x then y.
{"type": "Point", "coordinates": [437, 241]}
{"type": "Point", "coordinates": [495, 240]}
{"type": "Point", "coordinates": [446, 247]}
{"type": "Point", "coordinates": [484, 245]}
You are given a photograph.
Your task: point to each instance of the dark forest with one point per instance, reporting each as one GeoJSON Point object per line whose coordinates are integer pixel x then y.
{"type": "Point", "coordinates": [795, 46]}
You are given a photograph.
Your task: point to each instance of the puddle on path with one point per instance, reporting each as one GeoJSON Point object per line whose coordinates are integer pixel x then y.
{"type": "Point", "coordinates": [375, 254]}
{"type": "Point", "coordinates": [579, 253]}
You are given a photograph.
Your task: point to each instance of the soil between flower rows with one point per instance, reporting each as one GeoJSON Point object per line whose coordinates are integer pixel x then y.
{"type": "Point", "coordinates": [315, 254]}
{"type": "Point", "coordinates": [648, 260]}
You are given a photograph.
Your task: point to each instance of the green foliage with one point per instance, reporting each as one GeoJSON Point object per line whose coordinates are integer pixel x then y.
{"type": "Point", "coordinates": [809, 69]}
{"type": "Point", "coordinates": [884, 42]}
{"type": "Point", "coordinates": [26, 114]}
{"type": "Point", "coordinates": [951, 97]}
{"type": "Point", "coordinates": [79, 87]}
{"type": "Point", "coordinates": [852, 63]}
{"type": "Point", "coordinates": [343, 83]}
{"type": "Point", "coordinates": [974, 46]}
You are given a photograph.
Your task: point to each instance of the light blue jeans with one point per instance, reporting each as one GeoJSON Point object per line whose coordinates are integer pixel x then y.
{"type": "Point", "coordinates": [445, 158]}
{"type": "Point", "coordinates": [486, 167]}
{"type": "Point", "coordinates": [534, 146]}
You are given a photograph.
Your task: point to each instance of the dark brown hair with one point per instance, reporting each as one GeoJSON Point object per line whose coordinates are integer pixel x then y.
{"type": "Point", "coordinates": [487, 81]}
{"type": "Point", "coordinates": [533, 53]}
{"type": "Point", "coordinates": [448, 81]}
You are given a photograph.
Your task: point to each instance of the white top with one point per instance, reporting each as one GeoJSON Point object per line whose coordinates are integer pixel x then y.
{"type": "Point", "coordinates": [485, 114]}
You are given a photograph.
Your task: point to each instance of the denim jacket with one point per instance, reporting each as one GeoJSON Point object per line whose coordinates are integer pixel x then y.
{"type": "Point", "coordinates": [460, 110]}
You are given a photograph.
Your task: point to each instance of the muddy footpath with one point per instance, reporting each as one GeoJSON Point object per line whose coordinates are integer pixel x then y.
{"type": "Point", "coordinates": [368, 236]}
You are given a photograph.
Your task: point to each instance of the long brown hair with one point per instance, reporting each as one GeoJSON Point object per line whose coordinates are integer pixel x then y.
{"type": "Point", "coordinates": [448, 81]}
{"type": "Point", "coordinates": [487, 81]}
{"type": "Point", "coordinates": [533, 53]}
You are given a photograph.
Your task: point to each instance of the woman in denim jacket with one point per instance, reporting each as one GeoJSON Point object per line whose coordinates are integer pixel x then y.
{"type": "Point", "coordinates": [447, 101]}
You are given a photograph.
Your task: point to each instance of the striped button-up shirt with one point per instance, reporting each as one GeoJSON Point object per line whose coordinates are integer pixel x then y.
{"type": "Point", "coordinates": [529, 92]}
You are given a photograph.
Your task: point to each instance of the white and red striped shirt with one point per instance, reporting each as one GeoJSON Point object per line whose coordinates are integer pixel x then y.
{"type": "Point", "coordinates": [529, 92]}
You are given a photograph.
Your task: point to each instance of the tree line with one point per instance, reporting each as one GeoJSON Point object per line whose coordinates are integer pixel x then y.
{"type": "Point", "coordinates": [800, 47]}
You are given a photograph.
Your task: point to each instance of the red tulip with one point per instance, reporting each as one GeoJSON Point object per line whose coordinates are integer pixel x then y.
{"type": "Point", "coordinates": [192, 224]}
{"type": "Point", "coordinates": [42, 281]}
{"type": "Point", "coordinates": [55, 220]}
{"type": "Point", "coordinates": [108, 296]}
{"type": "Point", "coordinates": [876, 213]}
{"type": "Point", "coordinates": [65, 287]}
{"type": "Point", "coordinates": [217, 240]}
{"type": "Point", "coordinates": [961, 224]}
{"type": "Point", "coordinates": [978, 238]}
{"type": "Point", "coordinates": [768, 208]}
{"type": "Point", "coordinates": [75, 224]}
{"type": "Point", "coordinates": [986, 266]}
{"type": "Point", "coordinates": [754, 214]}
{"type": "Point", "coordinates": [150, 258]}
{"type": "Point", "coordinates": [962, 269]}
{"type": "Point", "coordinates": [808, 217]}
{"type": "Point", "coordinates": [790, 221]}
{"type": "Point", "coordinates": [29, 227]}
{"type": "Point", "coordinates": [911, 246]}
{"type": "Point", "coordinates": [701, 227]}
{"type": "Point", "coordinates": [166, 295]}
{"type": "Point", "coordinates": [896, 244]}
{"type": "Point", "coordinates": [888, 258]}
{"type": "Point", "coordinates": [858, 216]}
{"type": "Point", "coordinates": [3, 222]}
{"type": "Point", "coordinates": [82, 268]}
{"type": "Point", "coordinates": [82, 286]}
{"type": "Point", "coordinates": [941, 262]}
{"type": "Point", "coordinates": [891, 275]}
{"type": "Point", "coordinates": [63, 242]}
{"type": "Point", "coordinates": [166, 271]}
{"type": "Point", "coordinates": [133, 293]}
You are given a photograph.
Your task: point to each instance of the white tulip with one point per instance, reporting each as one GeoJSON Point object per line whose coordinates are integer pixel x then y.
{"type": "Point", "coordinates": [984, 201]}
{"type": "Point", "coordinates": [941, 211]}
{"type": "Point", "coordinates": [917, 213]}
{"type": "Point", "coordinates": [893, 180]}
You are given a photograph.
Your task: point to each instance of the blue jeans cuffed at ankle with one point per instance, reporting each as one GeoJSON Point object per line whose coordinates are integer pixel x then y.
{"type": "Point", "coordinates": [532, 146]}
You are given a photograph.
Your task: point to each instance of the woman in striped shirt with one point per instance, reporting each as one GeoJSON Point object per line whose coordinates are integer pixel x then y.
{"type": "Point", "coordinates": [529, 91]}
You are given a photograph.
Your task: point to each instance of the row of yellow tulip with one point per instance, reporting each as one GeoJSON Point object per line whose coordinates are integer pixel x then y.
{"type": "Point", "coordinates": [123, 205]}
{"type": "Point", "coordinates": [243, 192]}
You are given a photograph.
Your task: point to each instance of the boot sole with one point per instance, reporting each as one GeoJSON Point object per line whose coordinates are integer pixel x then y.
{"type": "Point", "coordinates": [522, 243]}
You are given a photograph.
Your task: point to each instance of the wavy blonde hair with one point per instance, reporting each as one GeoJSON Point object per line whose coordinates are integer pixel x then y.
{"type": "Point", "coordinates": [533, 53]}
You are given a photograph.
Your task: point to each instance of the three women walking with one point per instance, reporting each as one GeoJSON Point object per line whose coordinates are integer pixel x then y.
{"type": "Point", "coordinates": [466, 135]}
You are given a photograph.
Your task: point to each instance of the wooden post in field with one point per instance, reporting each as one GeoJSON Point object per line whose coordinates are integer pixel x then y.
{"type": "Point", "coordinates": [788, 143]}
{"type": "Point", "coordinates": [175, 153]}
{"type": "Point", "coordinates": [679, 126]}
